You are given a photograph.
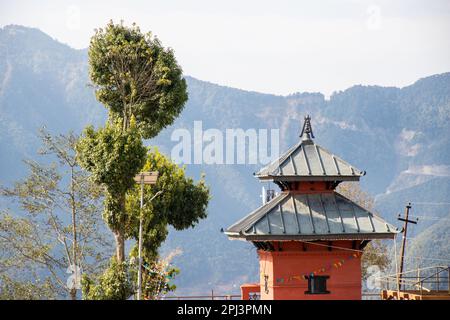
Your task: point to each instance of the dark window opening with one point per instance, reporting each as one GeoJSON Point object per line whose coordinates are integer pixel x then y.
{"type": "Point", "coordinates": [317, 284]}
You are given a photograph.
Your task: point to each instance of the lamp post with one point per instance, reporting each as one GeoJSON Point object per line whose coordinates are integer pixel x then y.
{"type": "Point", "coordinates": [143, 178]}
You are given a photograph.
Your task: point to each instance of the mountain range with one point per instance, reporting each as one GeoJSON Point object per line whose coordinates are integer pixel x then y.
{"type": "Point", "coordinates": [399, 136]}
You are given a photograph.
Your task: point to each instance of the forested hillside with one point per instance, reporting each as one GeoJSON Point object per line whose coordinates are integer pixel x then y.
{"type": "Point", "coordinates": [400, 136]}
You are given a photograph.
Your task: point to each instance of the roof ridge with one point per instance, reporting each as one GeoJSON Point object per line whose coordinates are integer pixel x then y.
{"type": "Point", "coordinates": [275, 168]}
{"type": "Point", "coordinates": [315, 163]}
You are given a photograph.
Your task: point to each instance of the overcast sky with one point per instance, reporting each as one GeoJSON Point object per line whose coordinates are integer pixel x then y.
{"type": "Point", "coordinates": [272, 46]}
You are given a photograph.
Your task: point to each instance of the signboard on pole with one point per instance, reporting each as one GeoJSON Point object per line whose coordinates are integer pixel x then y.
{"type": "Point", "coordinates": [148, 177]}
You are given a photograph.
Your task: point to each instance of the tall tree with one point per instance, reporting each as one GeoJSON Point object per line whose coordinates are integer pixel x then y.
{"type": "Point", "coordinates": [181, 204]}
{"type": "Point", "coordinates": [141, 84]}
{"type": "Point", "coordinates": [113, 157]}
{"type": "Point", "coordinates": [135, 75]}
{"type": "Point", "coordinates": [60, 231]}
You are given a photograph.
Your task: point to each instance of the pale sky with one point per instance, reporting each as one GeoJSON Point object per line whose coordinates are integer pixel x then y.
{"type": "Point", "coordinates": [272, 46]}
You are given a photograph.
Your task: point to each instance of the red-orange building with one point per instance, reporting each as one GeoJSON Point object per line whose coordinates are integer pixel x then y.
{"type": "Point", "coordinates": [309, 237]}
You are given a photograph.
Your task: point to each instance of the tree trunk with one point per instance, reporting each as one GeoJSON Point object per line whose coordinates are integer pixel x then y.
{"type": "Point", "coordinates": [120, 245]}
{"type": "Point", "coordinates": [119, 232]}
{"type": "Point", "coordinates": [73, 291]}
{"type": "Point", "coordinates": [73, 294]}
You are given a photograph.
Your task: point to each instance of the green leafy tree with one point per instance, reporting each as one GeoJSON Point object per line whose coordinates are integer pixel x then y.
{"type": "Point", "coordinates": [135, 75]}
{"type": "Point", "coordinates": [113, 157]}
{"type": "Point", "coordinates": [60, 228]}
{"type": "Point", "coordinates": [13, 289]}
{"type": "Point", "coordinates": [141, 84]}
{"type": "Point", "coordinates": [114, 284]}
{"type": "Point", "coordinates": [181, 204]}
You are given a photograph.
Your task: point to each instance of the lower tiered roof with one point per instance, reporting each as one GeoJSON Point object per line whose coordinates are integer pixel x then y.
{"type": "Point", "coordinates": [324, 216]}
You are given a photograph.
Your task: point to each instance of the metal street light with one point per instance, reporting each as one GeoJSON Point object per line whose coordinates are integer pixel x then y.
{"type": "Point", "coordinates": [143, 178]}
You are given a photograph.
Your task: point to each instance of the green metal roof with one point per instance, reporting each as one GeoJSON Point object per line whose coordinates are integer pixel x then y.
{"type": "Point", "coordinates": [307, 161]}
{"type": "Point", "coordinates": [296, 216]}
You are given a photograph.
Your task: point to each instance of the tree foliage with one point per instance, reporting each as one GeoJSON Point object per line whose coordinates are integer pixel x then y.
{"type": "Point", "coordinates": [181, 204]}
{"type": "Point", "coordinates": [135, 75]}
{"type": "Point", "coordinates": [13, 289]}
{"type": "Point", "coordinates": [114, 284]}
{"type": "Point", "coordinates": [60, 227]}
{"type": "Point", "coordinates": [113, 157]}
{"type": "Point", "coordinates": [141, 84]}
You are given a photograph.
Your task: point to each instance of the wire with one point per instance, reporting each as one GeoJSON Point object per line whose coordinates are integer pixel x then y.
{"type": "Point", "coordinates": [430, 218]}
{"type": "Point", "coordinates": [432, 203]}
{"type": "Point", "coordinates": [395, 251]}
{"type": "Point", "coordinates": [427, 258]}
{"type": "Point", "coordinates": [417, 238]}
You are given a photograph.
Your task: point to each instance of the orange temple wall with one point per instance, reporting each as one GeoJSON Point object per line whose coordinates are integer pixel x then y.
{"type": "Point", "coordinates": [284, 270]}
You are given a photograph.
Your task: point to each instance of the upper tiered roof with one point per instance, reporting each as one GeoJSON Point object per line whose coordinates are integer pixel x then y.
{"type": "Point", "coordinates": [307, 161]}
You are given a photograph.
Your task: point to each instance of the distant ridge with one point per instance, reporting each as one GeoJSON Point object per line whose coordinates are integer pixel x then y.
{"type": "Point", "coordinates": [385, 130]}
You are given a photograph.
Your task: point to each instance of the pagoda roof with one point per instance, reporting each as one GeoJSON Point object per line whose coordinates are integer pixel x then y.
{"type": "Point", "coordinates": [323, 216]}
{"type": "Point", "coordinates": [307, 161]}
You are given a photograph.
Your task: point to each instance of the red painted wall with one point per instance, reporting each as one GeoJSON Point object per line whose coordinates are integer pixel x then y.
{"type": "Point", "coordinates": [284, 270]}
{"type": "Point", "coordinates": [248, 290]}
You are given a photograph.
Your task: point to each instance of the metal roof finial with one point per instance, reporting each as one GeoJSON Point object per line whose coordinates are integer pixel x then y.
{"type": "Point", "coordinates": [307, 129]}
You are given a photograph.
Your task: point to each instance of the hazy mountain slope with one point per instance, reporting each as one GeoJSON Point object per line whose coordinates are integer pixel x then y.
{"type": "Point", "coordinates": [430, 200]}
{"type": "Point", "coordinates": [362, 124]}
{"type": "Point", "coordinates": [399, 136]}
{"type": "Point", "coordinates": [42, 82]}
{"type": "Point", "coordinates": [431, 247]}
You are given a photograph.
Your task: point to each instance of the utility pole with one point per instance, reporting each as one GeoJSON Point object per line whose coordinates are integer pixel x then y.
{"type": "Point", "coordinates": [140, 242]}
{"type": "Point", "coordinates": [402, 251]}
{"type": "Point", "coordinates": [143, 178]}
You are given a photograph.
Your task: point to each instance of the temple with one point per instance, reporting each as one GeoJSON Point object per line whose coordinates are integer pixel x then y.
{"type": "Point", "coordinates": [309, 238]}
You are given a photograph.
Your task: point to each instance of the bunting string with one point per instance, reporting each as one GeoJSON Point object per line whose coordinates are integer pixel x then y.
{"type": "Point", "coordinates": [335, 264]}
